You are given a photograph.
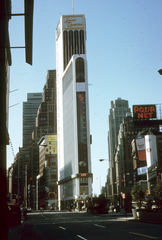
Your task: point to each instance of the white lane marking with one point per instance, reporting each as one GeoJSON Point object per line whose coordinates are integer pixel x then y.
{"type": "Point", "coordinates": [143, 235]}
{"type": "Point", "coordinates": [99, 226]}
{"type": "Point", "coordinates": [62, 228]}
{"type": "Point", "coordinates": [81, 237]}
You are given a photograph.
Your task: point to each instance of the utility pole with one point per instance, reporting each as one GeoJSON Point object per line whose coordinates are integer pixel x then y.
{"type": "Point", "coordinates": [25, 189]}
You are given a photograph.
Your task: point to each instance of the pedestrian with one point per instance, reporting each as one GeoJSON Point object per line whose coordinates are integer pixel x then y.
{"type": "Point", "coordinates": [25, 213]}
{"type": "Point", "coordinates": [112, 208]}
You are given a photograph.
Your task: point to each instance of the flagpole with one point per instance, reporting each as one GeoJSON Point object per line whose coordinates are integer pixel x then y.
{"type": "Point", "coordinates": [73, 7]}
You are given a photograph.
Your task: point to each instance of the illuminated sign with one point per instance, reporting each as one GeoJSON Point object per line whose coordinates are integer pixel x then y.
{"type": "Point", "coordinates": [83, 174]}
{"type": "Point", "coordinates": [73, 21]}
{"type": "Point", "coordinates": [144, 111]}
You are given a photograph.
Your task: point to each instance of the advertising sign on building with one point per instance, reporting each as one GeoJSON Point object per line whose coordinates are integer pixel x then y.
{"type": "Point", "coordinates": [144, 112]}
{"type": "Point", "coordinates": [142, 170]}
{"type": "Point", "coordinates": [159, 152]}
{"type": "Point", "coordinates": [51, 195]}
{"type": "Point", "coordinates": [73, 21]}
{"type": "Point", "coordinates": [141, 151]}
{"type": "Point", "coordinates": [151, 149]}
{"type": "Point", "coordinates": [140, 143]}
{"type": "Point", "coordinates": [51, 142]}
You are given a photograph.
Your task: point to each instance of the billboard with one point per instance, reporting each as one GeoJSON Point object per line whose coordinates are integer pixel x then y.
{"type": "Point", "coordinates": [51, 142]}
{"type": "Point", "coordinates": [144, 111]}
{"type": "Point", "coordinates": [141, 151]}
{"type": "Point", "coordinates": [142, 170]}
{"type": "Point", "coordinates": [159, 152]}
{"type": "Point", "coordinates": [151, 149]}
{"type": "Point", "coordinates": [140, 143]}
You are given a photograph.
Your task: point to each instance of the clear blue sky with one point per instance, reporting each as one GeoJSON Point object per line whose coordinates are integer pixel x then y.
{"type": "Point", "coordinates": [124, 53]}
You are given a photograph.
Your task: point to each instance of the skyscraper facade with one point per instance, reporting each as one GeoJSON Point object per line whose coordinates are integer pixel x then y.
{"type": "Point", "coordinates": [73, 131]}
{"type": "Point", "coordinates": [118, 111]}
{"type": "Point", "coordinates": [29, 114]}
{"type": "Point", "coordinates": [45, 124]}
{"type": "Point", "coordinates": [46, 119]}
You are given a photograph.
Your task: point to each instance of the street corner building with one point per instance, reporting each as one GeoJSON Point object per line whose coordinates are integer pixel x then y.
{"type": "Point", "coordinates": [73, 130]}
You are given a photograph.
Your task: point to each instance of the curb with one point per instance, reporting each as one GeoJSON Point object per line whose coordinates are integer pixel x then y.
{"type": "Point", "coordinates": [146, 221]}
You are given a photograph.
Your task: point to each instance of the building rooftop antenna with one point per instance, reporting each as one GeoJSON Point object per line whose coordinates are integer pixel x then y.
{"type": "Point", "coordinates": [73, 7]}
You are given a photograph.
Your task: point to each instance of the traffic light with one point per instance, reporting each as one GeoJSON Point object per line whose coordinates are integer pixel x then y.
{"type": "Point", "coordinates": [159, 178]}
{"type": "Point", "coordinates": [31, 180]}
{"type": "Point", "coordinates": [122, 182]}
{"type": "Point", "coordinates": [20, 200]}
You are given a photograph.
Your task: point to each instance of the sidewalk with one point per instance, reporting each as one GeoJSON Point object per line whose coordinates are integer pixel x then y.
{"type": "Point", "coordinates": [122, 217]}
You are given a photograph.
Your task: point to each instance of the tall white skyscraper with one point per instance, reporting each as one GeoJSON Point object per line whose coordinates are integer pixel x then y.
{"type": "Point", "coordinates": [73, 131]}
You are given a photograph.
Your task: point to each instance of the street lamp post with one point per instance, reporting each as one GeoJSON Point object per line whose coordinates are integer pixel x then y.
{"type": "Point", "coordinates": [99, 183]}
{"type": "Point", "coordinates": [101, 160]}
{"type": "Point", "coordinates": [160, 71]}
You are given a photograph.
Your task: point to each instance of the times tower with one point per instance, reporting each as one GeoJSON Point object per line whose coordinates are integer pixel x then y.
{"type": "Point", "coordinates": [73, 131]}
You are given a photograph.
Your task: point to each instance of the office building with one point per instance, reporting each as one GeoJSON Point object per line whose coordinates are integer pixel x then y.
{"type": "Point", "coordinates": [48, 189]}
{"type": "Point", "coordinates": [30, 108]}
{"type": "Point", "coordinates": [73, 131]}
{"type": "Point", "coordinates": [29, 114]}
{"type": "Point", "coordinates": [118, 111]}
{"type": "Point", "coordinates": [123, 154]}
{"type": "Point", "coordinates": [45, 123]}
{"type": "Point", "coordinates": [46, 118]}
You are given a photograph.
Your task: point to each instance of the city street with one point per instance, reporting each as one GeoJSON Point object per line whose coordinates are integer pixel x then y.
{"type": "Point", "coordinates": [73, 225]}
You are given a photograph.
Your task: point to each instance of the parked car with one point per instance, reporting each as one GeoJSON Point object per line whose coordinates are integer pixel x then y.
{"type": "Point", "coordinates": [29, 209]}
{"type": "Point", "coordinates": [51, 209]}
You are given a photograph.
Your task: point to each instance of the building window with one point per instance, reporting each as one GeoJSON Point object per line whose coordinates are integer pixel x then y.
{"type": "Point", "coordinates": [82, 48]}
{"type": "Point", "coordinates": [80, 74]}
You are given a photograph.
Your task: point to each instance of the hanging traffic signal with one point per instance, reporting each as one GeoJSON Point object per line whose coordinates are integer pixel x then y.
{"type": "Point", "coordinates": [122, 182]}
{"type": "Point", "coordinates": [20, 200]}
{"type": "Point", "coordinates": [31, 180]}
{"type": "Point", "coordinates": [159, 178]}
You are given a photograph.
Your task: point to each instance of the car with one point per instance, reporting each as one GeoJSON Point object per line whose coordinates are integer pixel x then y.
{"type": "Point", "coordinates": [52, 209]}
{"type": "Point", "coordinates": [29, 209]}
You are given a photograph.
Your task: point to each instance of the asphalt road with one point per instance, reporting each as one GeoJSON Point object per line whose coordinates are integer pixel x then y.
{"type": "Point", "coordinates": [69, 226]}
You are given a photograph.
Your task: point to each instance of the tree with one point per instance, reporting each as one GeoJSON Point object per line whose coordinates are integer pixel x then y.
{"type": "Point", "coordinates": [102, 201]}
{"type": "Point", "coordinates": [137, 194]}
{"type": "Point", "coordinates": [158, 195]}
